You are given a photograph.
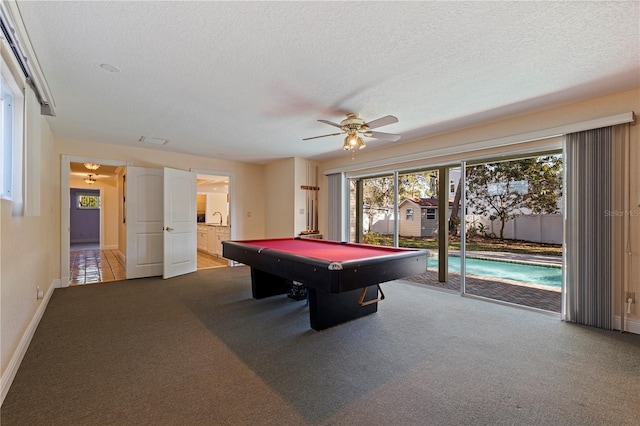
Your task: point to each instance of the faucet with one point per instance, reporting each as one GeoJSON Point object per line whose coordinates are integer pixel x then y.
{"type": "Point", "coordinates": [215, 213]}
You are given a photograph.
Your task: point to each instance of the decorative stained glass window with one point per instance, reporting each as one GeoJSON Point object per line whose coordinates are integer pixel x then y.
{"type": "Point", "coordinates": [86, 201]}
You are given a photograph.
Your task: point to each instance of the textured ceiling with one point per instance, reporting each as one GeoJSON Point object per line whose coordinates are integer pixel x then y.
{"type": "Point", "coordinates": [248, 81]}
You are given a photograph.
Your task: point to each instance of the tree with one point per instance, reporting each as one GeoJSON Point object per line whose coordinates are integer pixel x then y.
{"type": "Point", "coordinates": [377, 193]}
{"type": "Point", "coordinates": [417, 185]}
{"type": "Point", "coordinates": [545, 185]}
{"type": "Point", "coordinates": [502, 190]}
{"type": "Point", "coordinates": [454, 220]}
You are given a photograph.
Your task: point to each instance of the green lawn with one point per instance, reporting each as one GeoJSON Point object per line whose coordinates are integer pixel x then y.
{"type": "Point", "coordinates": [474, 244]}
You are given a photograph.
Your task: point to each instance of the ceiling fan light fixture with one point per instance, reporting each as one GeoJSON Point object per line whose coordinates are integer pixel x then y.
{"type": "Point", "coordinates": [355, 127]}
{"type": "Point", "coordinates": [92, 166]}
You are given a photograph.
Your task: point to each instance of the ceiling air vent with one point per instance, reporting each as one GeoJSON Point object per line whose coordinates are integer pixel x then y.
{"type": "Point", "coordinates": [152, 141]}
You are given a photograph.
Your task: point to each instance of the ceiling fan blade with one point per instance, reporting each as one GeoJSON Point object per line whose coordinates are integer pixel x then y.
{"type": "Point", "coordinates": [384, 136]}
{"type": "Point", "coordinates": [389, 119]}
{"type": "Point", "coordinates": [331, 123]}
{"type": "Point", "coordinates": [323, 136]}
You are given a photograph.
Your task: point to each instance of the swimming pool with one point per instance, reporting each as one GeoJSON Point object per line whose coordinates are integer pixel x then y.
{"type": "Point", "coordinates": [523, 272]}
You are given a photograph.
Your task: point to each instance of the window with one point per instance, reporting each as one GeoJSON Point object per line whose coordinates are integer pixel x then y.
{"type": "Point", "coordinates": [409, 213]}
{"type": "Point", "coordinates": [431, 214]}
{"type": "Point", "coordinates": [11, 146]}
{"type": "Point", "coordinates": [88, 201]}
{"type": "Point", "coordinates": [6, 151]}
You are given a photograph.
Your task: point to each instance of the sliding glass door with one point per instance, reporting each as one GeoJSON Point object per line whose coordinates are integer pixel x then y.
{"type": "Point", "coordinates": [372, 218]}
{"type": "Point", "coordinates": [514, 231]}
{"type": "Point", "coordinates": [493, 230]}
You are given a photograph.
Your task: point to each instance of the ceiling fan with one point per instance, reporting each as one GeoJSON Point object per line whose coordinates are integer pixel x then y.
{"type": "Point", "coordinates": [354, 127]}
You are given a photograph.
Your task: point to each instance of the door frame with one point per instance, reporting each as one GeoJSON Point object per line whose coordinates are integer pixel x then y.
{"type": "Point", "coordinates": [65, 245]}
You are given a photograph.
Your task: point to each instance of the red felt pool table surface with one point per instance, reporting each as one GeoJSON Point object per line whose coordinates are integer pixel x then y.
{"type": "Point", "coordinates": [331, 251]}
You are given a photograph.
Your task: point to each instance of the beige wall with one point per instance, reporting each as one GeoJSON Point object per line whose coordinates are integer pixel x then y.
{"type": "Point", "coordinates": [286, 203]}
{"type": "Point", "coordinates": [29, 258]}
{"type": "Point", "coordinates": [247, 201]}
{"type": "Point", "coordinates": [574, 113]}
{"type": "Point", "coordinates": [29, 255]}
{"type": "Point", "coordinates": [279, 203]}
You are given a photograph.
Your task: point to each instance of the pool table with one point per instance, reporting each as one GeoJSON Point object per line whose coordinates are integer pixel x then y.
{"type": "Point", "coordinates": [342, 279]}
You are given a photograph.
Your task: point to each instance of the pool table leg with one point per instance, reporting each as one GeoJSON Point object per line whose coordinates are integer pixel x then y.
{"type": "Point", "coordinates": [264, 284]}
{"type": "Point", "coordinates": [330, 309]}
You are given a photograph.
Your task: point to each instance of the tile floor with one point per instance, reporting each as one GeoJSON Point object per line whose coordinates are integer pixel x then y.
{"type": "Point", "coordinates": [92, 265]}
{"type": "Point", "coordinates": [89, 264]}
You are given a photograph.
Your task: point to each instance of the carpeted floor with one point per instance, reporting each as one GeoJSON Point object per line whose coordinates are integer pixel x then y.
{"type": "Point", "coordinates": [198, 350]}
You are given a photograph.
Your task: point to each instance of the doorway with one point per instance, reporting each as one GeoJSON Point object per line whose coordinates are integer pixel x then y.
{"type": "Point", "coordinates": [93, 224]}
{"type": "Point", "coordinates": [213, 218]}
{"type": "Point", "coordinates": [98, 258]}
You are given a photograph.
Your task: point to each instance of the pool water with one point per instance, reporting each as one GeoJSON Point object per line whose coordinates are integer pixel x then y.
{"type": "Point", "coordinates": [523, 272]}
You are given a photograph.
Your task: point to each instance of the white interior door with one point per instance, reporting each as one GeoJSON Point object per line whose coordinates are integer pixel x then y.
{"type": "Point", "coordinates": [180, 226]}
{"type": "Point", "coordinates": [144, 222]}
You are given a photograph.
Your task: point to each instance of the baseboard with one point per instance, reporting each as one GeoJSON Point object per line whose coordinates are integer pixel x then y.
{"type": "Point", "coordinates": [121, 256]}
{"type": "Point", "coordinates": [630, 325]}
{"type": "Point", "coordinates": [16, 358]}
{"type": "Point", "coordinates": [111, 247]}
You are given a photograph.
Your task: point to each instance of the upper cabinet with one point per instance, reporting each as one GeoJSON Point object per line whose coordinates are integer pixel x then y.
{"type": "Point", "coordinates": [201, 203]}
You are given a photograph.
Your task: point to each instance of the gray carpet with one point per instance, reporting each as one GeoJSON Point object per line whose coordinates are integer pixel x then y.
{"type": "Point", "coordinates": [199, 350]}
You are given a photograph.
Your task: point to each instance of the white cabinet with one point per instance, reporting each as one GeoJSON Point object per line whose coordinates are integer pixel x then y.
{"type": "Point", "coordinates": [203, 232]}
{"type": "Point", "coordinates": [212, 240]}
{"type": "Point", "coordinates": [222, 233]}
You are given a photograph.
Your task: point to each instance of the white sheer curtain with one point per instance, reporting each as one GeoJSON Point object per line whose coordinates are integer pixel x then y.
{"type": "Point", "coordinates": [589, 166]}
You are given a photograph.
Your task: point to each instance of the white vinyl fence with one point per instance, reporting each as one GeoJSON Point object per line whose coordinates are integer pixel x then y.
{"type": "Point", "coordinates": [536, 228]}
